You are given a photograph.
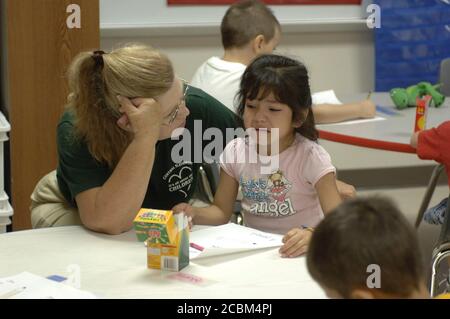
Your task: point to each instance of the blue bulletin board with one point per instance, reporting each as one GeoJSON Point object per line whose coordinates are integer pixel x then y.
{"type": "Point", "coordinates": [413, 39]}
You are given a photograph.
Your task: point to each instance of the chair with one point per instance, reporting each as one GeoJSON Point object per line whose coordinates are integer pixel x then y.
{"type": "Point", "coordinates": [441, 252]}
{"type": "Point", "coordinates": [444, 77]}
{"type": "Point", "coordinates": [207, 184]}
{"type": "Point", "coordinates": [429, 192]}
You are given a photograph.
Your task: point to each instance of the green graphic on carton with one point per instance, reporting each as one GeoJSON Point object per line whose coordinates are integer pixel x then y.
{"type": "Point", "coordinates": [157, 234]}
{"type": "Point", "coordinates": [184, 249]}
{"type": "Point", "coordinates": [154, 233]}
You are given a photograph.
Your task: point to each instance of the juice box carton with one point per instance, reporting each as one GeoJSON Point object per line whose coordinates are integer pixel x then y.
{"type": "Point", "coordinates": [166, 236]}
{"type": "Point", "coordinates": [156, 225]}
{"type": "Point", "coordinates": [422, 105]}
{"type": "Point", "coordinates": [174, 255]}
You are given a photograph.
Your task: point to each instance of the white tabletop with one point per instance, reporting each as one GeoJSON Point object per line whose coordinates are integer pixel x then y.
{"type": "Point", "coordinates": [379, 134]}
{"type": "Point", "coordinates": [115, 267]}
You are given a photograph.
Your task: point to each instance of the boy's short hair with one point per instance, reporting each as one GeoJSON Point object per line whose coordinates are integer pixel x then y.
{"type": "Point", "coordinates": [361, 232]}
{"type": "Point", "coordinates": [244, 20]}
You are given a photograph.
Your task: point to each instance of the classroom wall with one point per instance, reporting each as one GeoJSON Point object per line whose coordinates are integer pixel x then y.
{"type": "Point", "coordinates": [342, 61]}
{"type": "Point", "coordinates": [157, 13]}
{"type": "Point", "coordinates": [333, 40]}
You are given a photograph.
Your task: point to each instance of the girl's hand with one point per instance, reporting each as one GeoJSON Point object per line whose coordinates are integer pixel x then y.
{"type": "Point", "coordinates": [187, 210]}
{"type": "Point", "coordinates": [142, 117]}
{"type": "Point", "coordinates": [345, 190]}
{"type": "Point", "coordinates": [296, 242]}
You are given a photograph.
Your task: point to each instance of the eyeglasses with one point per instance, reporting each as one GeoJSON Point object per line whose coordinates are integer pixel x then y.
{"type": "Point", "coordinates": [173, 115]}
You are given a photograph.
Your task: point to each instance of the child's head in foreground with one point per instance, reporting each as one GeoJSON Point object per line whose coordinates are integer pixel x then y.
{"type": "Point", "coordinates": [365, 248]}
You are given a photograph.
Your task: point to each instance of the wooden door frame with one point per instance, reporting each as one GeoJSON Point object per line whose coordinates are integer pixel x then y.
{"type": "Point", "coordinates": [40, 47]}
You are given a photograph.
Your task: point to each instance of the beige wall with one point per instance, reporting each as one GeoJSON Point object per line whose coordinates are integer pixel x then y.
{"type": "Point", "coordinates": [343, 61]}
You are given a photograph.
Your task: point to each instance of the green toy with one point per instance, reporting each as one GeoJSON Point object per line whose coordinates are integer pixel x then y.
{"type": "Point", "coordinates": [404, 98]}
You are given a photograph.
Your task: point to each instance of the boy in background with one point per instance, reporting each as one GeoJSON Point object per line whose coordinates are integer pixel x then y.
{"type": "Point", "coordinates": [249, 29]}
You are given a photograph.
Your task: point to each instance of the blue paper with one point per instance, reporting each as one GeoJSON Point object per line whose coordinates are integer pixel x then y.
{"type": "Point", "coordinates": [386, 110]}
{"type": "Point", "coordinates": [57, 278]}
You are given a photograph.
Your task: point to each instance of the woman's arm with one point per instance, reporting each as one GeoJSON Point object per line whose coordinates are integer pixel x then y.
{"type": "Point", "coordinates": [221, 210]}
{"type": "Point", "coordinates": [112, 207]}
{"type": "Point", "coordinates": [328, 194]}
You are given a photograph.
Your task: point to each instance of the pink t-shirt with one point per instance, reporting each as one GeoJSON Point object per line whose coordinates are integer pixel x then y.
{"type": "Point", "coordinates": [278, 199]}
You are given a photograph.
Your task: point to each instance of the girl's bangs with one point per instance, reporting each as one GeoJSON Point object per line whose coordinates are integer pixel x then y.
{"type": "Point", "coordinates": [259, 90]}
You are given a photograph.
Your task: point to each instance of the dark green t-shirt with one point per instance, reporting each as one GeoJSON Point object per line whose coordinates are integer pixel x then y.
{"type": "Point", "coordinates": [170, 182]}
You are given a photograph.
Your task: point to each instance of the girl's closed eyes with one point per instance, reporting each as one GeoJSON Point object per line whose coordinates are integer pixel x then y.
{"type": "Point", "coordinates": [271, 108]}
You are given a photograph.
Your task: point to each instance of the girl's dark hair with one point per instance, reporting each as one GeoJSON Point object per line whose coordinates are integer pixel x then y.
{"type": "Point", "coordinates": [287, 80]}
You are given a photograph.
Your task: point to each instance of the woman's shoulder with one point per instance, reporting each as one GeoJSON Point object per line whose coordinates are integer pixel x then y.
{"type": "Point", "coordinates": [196, 98]}
{"type": "Point", "coordinates": [67, 119]}
{"type": "Point", "coordinates": [203, 106]}
{"type": "Point", "coordinates": [66, 135]}
{"type": "Point", "coordinates": [66, 125]}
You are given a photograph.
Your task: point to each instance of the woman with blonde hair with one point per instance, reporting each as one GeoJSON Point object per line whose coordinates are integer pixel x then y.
{"type": "Point", "coordinates": [114, 138]}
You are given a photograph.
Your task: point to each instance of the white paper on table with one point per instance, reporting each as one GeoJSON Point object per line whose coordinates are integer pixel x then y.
{"type": "Point", "coordinates": [373, 119]}
{"type": "Point", "coordinates": [29, 286]}
{"type": "Point", "coordinates": [229, 239]}
{"type": "Point", "coordinates": [325, 97]}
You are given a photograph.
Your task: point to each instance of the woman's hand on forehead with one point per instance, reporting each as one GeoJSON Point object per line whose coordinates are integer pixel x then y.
{"type": "Point", "coordinates": [141, 116]}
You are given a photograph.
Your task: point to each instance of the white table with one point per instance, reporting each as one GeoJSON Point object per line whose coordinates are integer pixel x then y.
{"type": "Point", "coordinates": [391, 134]}
{"type": "Point", "coordinates": [115, 267]}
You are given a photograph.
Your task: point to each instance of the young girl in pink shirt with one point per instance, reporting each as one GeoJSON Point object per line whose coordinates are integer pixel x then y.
{"type": "Point", "coordinates": [287, 179]}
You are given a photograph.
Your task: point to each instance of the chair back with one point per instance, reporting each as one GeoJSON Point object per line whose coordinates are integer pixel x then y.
{"type": "Point", "coordinates": [441, 253]}
{"type": "Point", "coordinates": [444, 236]}
{"type": "Point", "coordinates": [444, 77]}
